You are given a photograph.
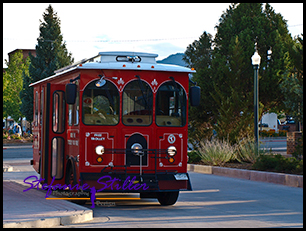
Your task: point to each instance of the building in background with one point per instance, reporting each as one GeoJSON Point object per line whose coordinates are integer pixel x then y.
{"type": "Point", "coordinates": [25, 53]}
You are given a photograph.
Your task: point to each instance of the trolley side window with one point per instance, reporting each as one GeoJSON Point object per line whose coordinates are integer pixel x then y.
{"type": "Point", "coordinates": [101, 104]}
{"type": "Point", "coordinates": [171, 105]}
{"type": "Point", "coordinates": [41, 105]}
{"type": "Point", "coordinates": [58, 112]}
{"type": "Point", "coordinates": [73, 111]}
{"type": "Point", "coordinates": [137, 104]}
{"type": "Point", "coordinates": [57, 157]}
{"type": "Point", "coordinates": [36, 109]}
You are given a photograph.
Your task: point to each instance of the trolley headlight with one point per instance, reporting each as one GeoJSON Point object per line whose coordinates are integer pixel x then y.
{"type": "Point", "coordinates": [99, 150]}
{"type": "Point", "coordinates": [171, 151]}
{"type": "Point", "coordinates": [136, 149]}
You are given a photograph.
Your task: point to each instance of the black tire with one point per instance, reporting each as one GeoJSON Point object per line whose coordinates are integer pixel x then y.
{"type": "Point", "coordinates": [70, 180]}
{"type": "Point", "coordinates": [167, 198]}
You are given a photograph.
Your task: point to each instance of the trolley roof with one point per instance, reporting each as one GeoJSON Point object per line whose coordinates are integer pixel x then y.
{"type": "Point", "coordinates": [119, 60]}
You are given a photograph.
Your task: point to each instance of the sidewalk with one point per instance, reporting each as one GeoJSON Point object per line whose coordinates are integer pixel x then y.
{"type": "Point", "coordinates": [269, 177]}
{"type": "Point", "coordinates": [30, 209]}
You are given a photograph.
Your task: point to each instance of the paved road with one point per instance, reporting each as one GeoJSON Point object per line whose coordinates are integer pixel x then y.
{"type": "Point", "coordinates": [215, 202]}
{"type": "Point", "coordinates": [279, 144]}
{"type": "Point", "coordinates": [10, 152]}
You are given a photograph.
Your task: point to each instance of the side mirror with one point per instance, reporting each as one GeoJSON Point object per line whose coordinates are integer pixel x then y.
{"type": "Point", "coordinates": [195, 96]}
{"type": "Point", "coordinates": [70, 93]}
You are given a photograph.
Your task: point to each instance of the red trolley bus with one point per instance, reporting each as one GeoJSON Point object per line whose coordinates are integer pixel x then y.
{"type": "Point", "coordinates": [118, 114]}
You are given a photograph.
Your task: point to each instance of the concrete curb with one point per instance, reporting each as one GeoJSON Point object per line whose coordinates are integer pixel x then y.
{"type": "Point", "coordinates": [7, 168]}
{"type": "Point", "coordinates": [269, 177]}
{"type": "Point", "coordinates": [87, 215]}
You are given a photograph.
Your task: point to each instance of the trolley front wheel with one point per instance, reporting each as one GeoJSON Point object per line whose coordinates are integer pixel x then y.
{"type": "Point", "coordinates": [167, 198]}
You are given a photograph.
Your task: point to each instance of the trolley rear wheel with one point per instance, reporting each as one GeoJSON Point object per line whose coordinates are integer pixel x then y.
{"type": "Point", "coordinates": [167, 198]}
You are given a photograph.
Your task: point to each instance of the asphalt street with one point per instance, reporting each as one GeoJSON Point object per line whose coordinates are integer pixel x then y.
{"type": "Point", "coordinates": [215, 202]}
{"type": "Point", "coordinates": [275, 144]}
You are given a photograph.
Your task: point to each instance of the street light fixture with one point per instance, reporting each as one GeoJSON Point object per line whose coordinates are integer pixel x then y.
{"type": "Point", "coordinates": [269, 52]}
{"type": "Point", "coordinates": [256, 59]}
{"type": "Point", "coordinates": [256, 62]}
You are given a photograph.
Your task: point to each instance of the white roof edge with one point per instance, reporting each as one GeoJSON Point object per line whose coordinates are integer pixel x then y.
{"type": "Point", "coordinates": [134, 66]}
{"type": "Point", "coordinates": [147, 66]}
{"type": "Point", "coordinates": [118, 53]}
{"type": "Point", "coordinates": [53, 76]}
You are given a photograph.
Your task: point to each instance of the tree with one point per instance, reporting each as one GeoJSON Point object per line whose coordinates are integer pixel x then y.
{"type": "Point", "coordinates": [51, 54]}
{"type": "Point", "coordinates": [251, 23]}
{"type": "Point", "coordinates": [12, 85]}
{"type": "Point", "coordinates": [292, 84]}
{"type": "Point", "coordinates": [198, 55]}
{"type": "Point", "coordinates": [229, 75]}
{"type": "Point", "coordinates": [234, 111]}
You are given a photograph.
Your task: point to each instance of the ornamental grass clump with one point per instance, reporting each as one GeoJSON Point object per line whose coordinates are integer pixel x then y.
{"type": "Point", "coordinates": [216, 152]}
{"type": "Point", "coordinates": [248, 151]}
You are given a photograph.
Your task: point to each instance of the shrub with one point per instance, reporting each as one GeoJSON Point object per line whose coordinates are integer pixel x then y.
{"type": "Point", "coordinates": [299, 168]}
{"type": "Point", "coordinates": [282, 132]}
{"type": "Point", "coordinates": [263, 133]}
{"type": "Point", "coordinates": [298, 152]}
{"type": "Point", "coordinates": [279, 163]}
{"type": "Point", "coordinates": [248, 151]}
{"type": "Point", "coordinates": [215, 152]}
{"type": "Point", "coordinates": [271, 132]}
{"type": "Point", "coordinates": [193, 157]}
{"type": "Point", "coordinates": [16, 137]}
{"type": "Point", "coordinates": [265, 162]}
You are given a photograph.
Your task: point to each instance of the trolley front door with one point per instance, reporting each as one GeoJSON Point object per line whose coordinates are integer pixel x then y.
{"type": "Point", "coordinates": [54, 134]}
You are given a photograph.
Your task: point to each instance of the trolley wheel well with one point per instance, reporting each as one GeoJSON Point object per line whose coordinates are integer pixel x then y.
{"type": "Point", "coordinates": [70, 169]}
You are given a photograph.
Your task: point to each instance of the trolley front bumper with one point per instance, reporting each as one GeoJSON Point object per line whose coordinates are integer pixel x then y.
{"type": "Point", "coordinates": [123, 182]}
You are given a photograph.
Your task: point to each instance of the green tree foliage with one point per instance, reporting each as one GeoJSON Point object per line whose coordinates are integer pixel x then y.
{"type": "Point", "coordinates": [12, 85]}
{"type": "Point", "coordinates": [250, 23]}
{"type": "Point", "coordinates": [51, 54]}
{"type": "Point", "coordinates": [292, 84]}
{"type": "Point", "coordinates": [198, 55]}
{"type": "Point", "coordinates": [224, 69]}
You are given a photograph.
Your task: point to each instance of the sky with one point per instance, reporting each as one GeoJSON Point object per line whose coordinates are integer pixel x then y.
{"type": "Point", "coordinates": [160, 28]}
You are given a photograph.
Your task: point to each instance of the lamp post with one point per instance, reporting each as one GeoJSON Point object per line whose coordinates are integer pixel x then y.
{"type": "Point", "coordinates": [255, 62]}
